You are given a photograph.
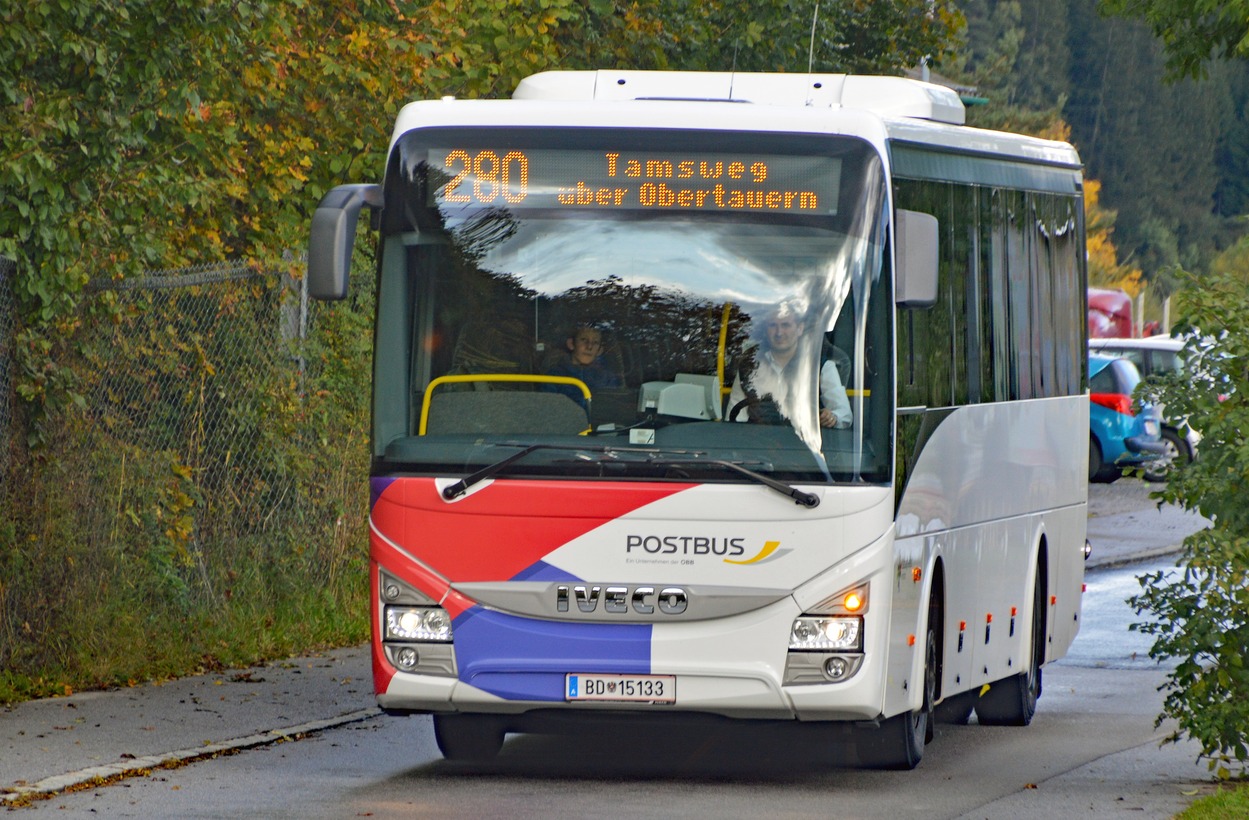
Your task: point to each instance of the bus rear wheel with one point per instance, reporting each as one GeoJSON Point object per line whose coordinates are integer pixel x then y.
{"type": "Point", "coordinates": [1012, 702]}
{"type": "Point", "coordinates": [956, 709]}
{"type": "Point", "coordinates": [469, 738]}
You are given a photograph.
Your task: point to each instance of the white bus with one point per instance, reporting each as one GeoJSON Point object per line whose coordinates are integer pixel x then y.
{"type": "Point", "coordinates": [604, 486]}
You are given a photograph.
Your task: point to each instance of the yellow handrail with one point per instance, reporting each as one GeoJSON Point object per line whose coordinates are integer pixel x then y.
{"type": "Point", "coordinates": [724, 338]}
{"type": "Point", "coordinates": [495, 377]}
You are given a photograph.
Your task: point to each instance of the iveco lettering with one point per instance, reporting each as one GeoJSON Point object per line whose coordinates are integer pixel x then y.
{"type": "Point", "coordinates": [622, 599]}
{"type": "Point", "coordinates": [758, 396]}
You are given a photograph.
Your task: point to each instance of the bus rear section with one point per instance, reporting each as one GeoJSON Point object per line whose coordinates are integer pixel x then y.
{"type": "Point", "coordinates": [638, 450]}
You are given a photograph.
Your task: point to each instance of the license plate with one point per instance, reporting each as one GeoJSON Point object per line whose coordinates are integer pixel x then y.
{"type": "Point", "coordinates": [627, 688]}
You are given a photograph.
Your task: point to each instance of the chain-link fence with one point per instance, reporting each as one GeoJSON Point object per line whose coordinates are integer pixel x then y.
{"type": "Point", "coordinates": [209, 468]}
{"type": "Point", "coordinates": [208, 365]}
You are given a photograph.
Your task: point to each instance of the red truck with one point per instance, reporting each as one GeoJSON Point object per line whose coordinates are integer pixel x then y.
{"type": "Point", "coordinates": [1110, 314]}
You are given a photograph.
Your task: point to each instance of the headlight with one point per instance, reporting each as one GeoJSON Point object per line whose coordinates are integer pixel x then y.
{"type": "Point", "coordinates": [811, 634]}
{"type": "Point", "coordinates": [414, 623]}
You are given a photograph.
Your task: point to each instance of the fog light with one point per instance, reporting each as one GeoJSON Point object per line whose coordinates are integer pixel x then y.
{"type": "Point", "coordinates": [406, 658]}
{"type": "Point", "coordinates": [836, 668]}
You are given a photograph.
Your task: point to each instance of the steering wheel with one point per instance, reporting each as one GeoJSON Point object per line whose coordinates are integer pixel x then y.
{"type": "Point", "coordinates": [759, 410]}
{"type": "Point", "coordinates": [741, 405]}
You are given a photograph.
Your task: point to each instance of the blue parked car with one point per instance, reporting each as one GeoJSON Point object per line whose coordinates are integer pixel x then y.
{"type": "Point", "coordinates": [1121, 433]}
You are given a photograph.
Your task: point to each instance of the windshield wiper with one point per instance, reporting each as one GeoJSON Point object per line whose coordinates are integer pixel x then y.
{"type": "Point", "coordinates": [802, 497]}
{"type": "Point", "coordinates": [454, 491]}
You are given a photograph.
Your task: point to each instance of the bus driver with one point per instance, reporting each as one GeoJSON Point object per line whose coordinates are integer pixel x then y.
{"type": "Point", "coordinates": [774, 371]}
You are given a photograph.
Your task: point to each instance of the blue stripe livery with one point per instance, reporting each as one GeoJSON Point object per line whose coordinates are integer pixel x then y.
{"type": "Point", "coordinates": [526, 659]}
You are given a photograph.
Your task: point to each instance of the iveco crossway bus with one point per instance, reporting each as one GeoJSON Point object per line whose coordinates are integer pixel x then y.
{"type": "Point", "coordinates": [758, 396]}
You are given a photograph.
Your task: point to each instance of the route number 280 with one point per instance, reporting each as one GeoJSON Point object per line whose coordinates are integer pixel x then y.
{"type": "Point", "coordinates": [491, 176]}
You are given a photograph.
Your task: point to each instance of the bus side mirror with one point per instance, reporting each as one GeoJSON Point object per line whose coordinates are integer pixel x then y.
{"type": "Point", "coordinates": [332, 237]}
{"type": "Point", "coordinates": [915, 236]}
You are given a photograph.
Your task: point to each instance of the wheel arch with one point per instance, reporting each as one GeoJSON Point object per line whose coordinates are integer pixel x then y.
{"type": "Point", "coordinates": [937, 600]}
{"type": "Point", "coordinates": [1041, 566]}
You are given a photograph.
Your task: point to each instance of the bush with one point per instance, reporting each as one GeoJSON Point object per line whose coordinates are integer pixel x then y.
{"type": "Point", "coordinates": [1199, 614]}
{"type": "Point", "coordinates": [206, 506]}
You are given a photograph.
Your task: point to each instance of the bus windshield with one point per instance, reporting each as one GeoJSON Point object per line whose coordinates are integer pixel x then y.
{"type": "Point", "coordinates": [650, 306]}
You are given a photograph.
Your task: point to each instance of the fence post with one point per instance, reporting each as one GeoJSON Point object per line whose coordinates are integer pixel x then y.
{"type": "Point", "coordinates": [8, 326]}
{"type": "Point", "coordinates": [294, 311]}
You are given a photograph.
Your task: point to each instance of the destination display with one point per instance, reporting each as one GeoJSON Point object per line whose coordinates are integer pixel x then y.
{"type": "Point", "coordinates": [558, 179]}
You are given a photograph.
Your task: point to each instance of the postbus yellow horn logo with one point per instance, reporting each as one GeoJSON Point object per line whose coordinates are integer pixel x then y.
{"type": "Point", "coordinates": [769, 547]}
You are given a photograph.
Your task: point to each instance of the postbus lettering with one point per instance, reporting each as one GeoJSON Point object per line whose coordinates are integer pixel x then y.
{"type": "Point", "coordinates": [685, 545]}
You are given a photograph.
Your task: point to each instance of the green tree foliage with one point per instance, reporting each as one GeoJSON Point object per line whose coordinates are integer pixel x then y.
{"type": "Point", "coordinates": [1016, 54]}
{"type": "Point", "coordinates": [1169, 155]}
{"type": "Point", "coordinates": [1154, 145]}
{"type": "Point", "coordinates": [1007, 63]}
{"type": "Point", "coordinates": [1232, 194]}
{"type": "Point", "coordinates": [1192, 31]}
{"type": "Point", "coordinates": [170, 134]}
{"type": "Point", "coordinates": [1105, 269]}
{"type": "Point", "coordinates": [858, 36]}
{"type": "Point", "coordinates": [1199, 615]}
{"type": "Point", "coordinates": [102, 151]}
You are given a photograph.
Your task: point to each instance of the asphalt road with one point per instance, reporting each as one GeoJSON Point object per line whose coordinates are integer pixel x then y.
{"type": "Point", "coordinates": [1126, 526]}
{"type": "Point", "coordinates": [227, 741]}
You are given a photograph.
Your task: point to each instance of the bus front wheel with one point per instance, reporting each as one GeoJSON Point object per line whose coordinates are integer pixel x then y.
{"type": "Point", "coordinates": [898, 743]}
{"type": "Point", "coordinates": [471, 738]}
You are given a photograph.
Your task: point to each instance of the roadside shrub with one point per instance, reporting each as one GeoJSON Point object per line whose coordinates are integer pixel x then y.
{"type": "Point", "coordinates": [1199, 613]}
{"type": "Point", "coordinates": [206, 504]}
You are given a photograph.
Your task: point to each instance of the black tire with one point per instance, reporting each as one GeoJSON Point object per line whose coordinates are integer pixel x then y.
{"type": "Point", "coordinates": [898, 743]}
{"type": "Point", "coordinates": [1099, 471]}
{"type": "Point", "coordinates": [1176, 456]}
{"type": "Point", "coordinates": [956, 709]}
{"type": "Point", "coordinates": [470, 738]}
{"type": "Point", "coordinates": [1012, 701]}
{"type": "Point", "coordinates": [1009, 702]}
